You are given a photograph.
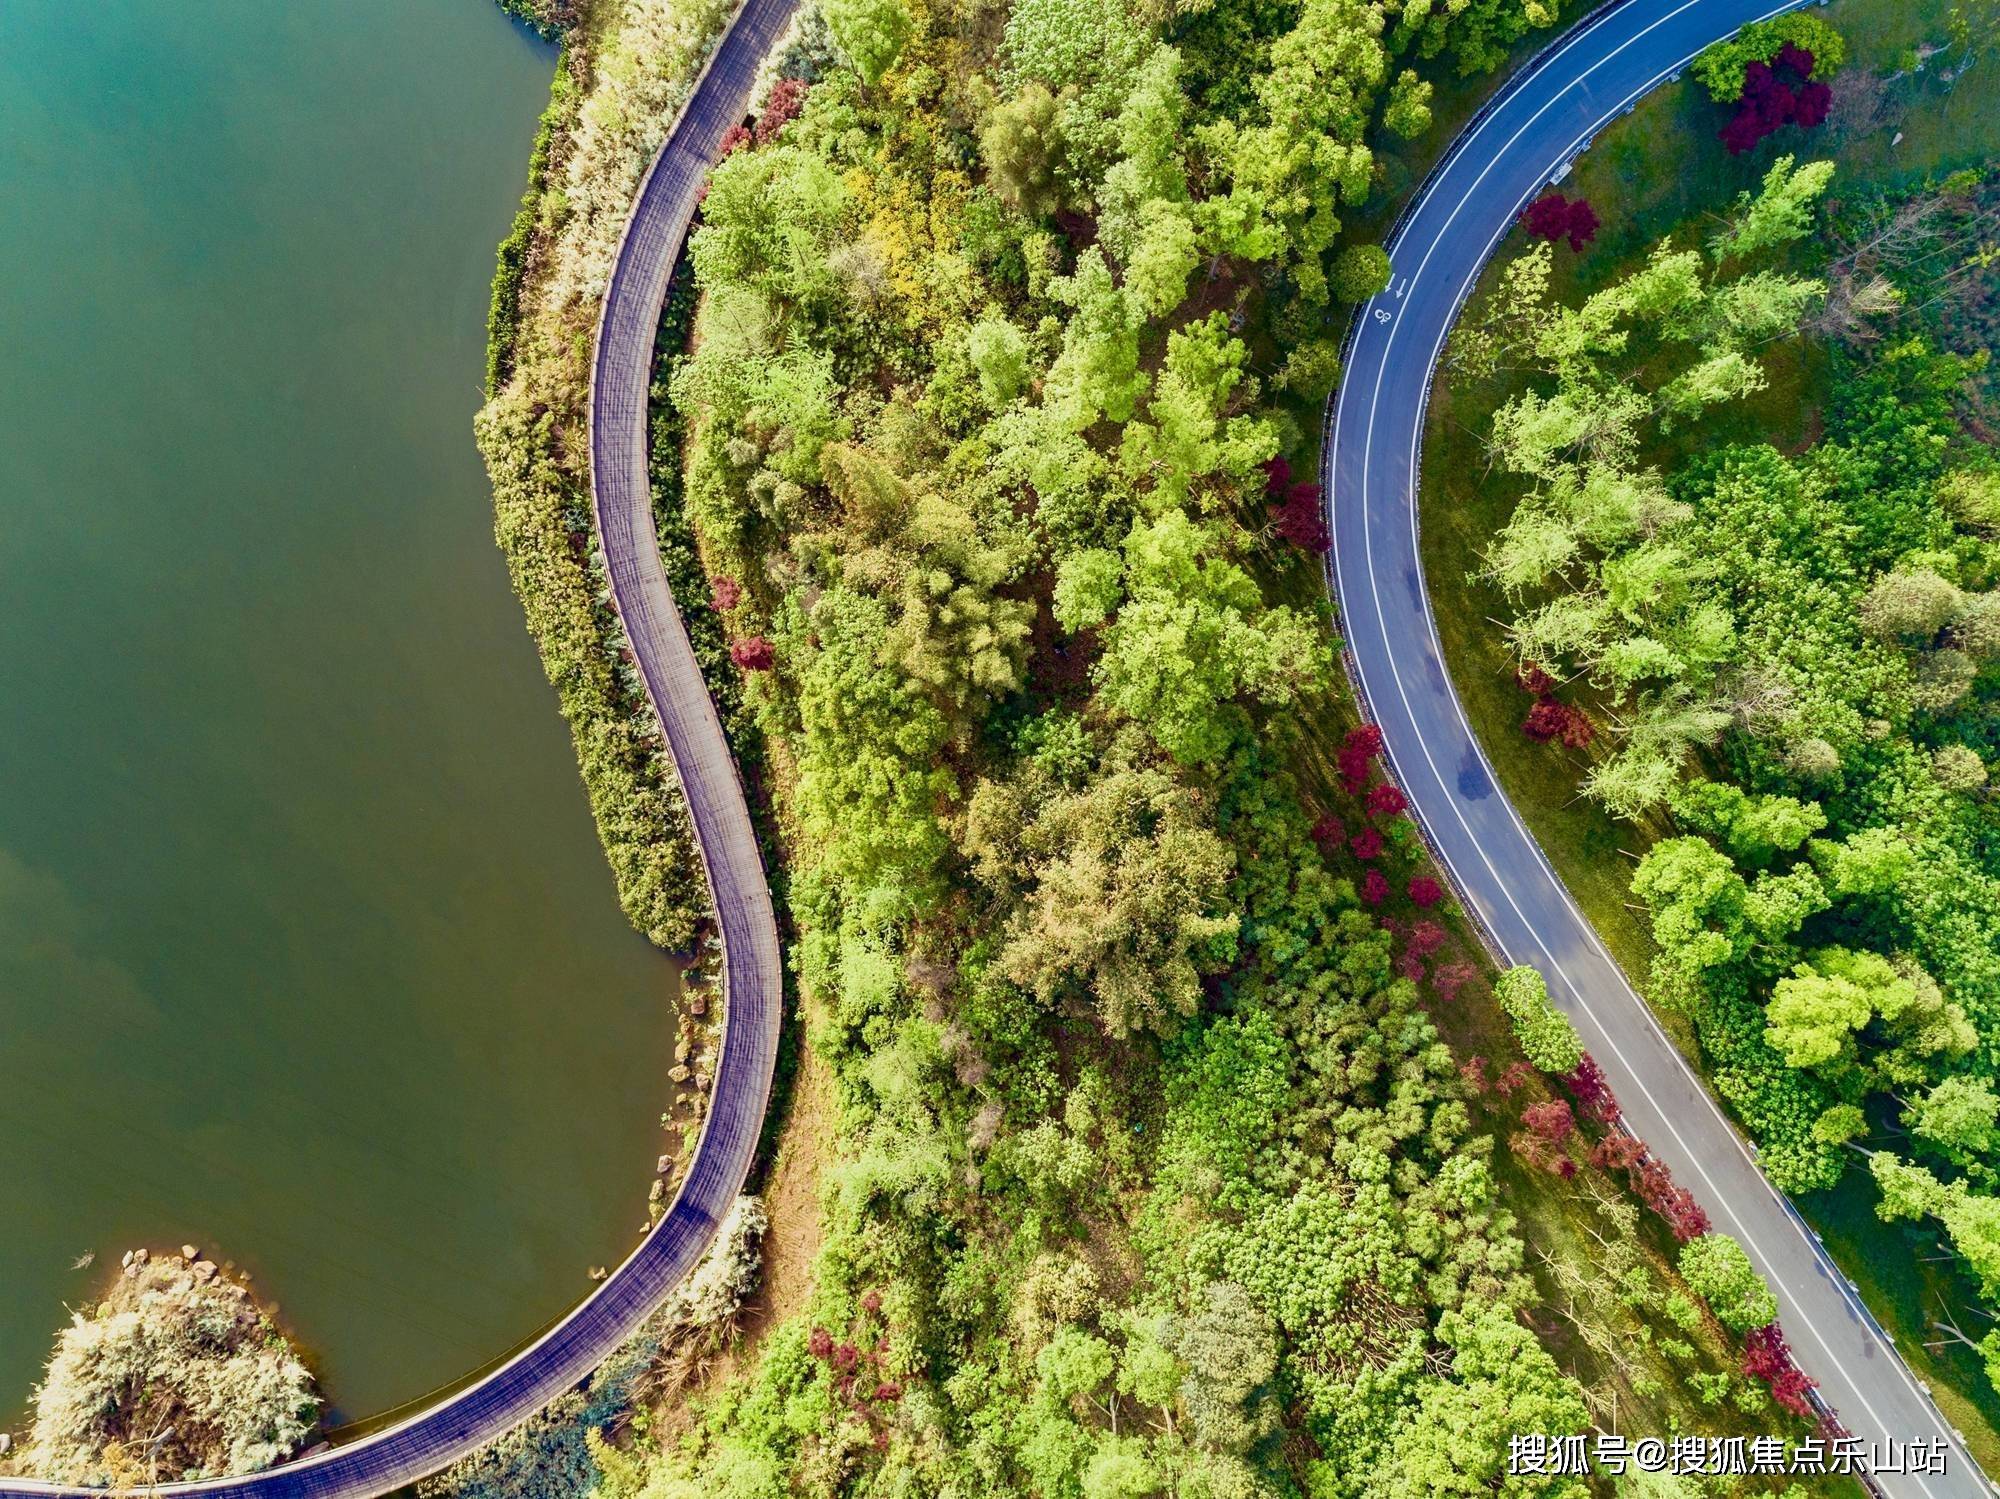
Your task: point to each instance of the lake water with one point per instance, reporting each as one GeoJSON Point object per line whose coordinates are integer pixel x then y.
{"type": "Point", "coordinates": [307, 950]}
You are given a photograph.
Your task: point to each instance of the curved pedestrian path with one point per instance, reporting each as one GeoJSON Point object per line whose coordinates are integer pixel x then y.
{"type": "Point", "coordinates": [1523, 140]}
{"type": "Point", "coordinates": [752, 992]}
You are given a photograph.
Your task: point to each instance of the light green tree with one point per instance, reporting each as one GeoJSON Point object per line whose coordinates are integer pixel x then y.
{"type": "Point", "coordinates": [1956, 1119]}
{"type": "Point", "coordinates": [871, 32]}
{"type": "Point", "coordinates": [999, 353]}
{"type": "Point", "coordinates": [1097, 374]}
{"type": "Point", "coordinates": [1720, 1273]}
{"type": "Point", "coordinates": [1779, 213]}
{"type": "Point", "coordinates": [1189, 433]}
{"type": "Point", "coordinates": [1194, 637]}
{"type": "Point", "coordinates": [1547, 1038]}
{"type": "Point", "coordinates": [1408, 112]}
{"type": "Point", "coordinates": [1125, 902]}
{"type": "Point", "coordinates": [1454, 1439]}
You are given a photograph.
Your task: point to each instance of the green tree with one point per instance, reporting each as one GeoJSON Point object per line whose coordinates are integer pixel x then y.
{"type": "Point", "coordinates": [1547, 1038]}
{"type": "Point", "coordinates": [1755, 829]}
{"type": "Point", "coordinates": [1125, 904]}
{"type": "Point", "coordinates": [1720, 69]}
{"type": "Point", "coordinates": [871, 32]}
{"type": "Point", "coordinates": [1778, 214]}
{"type": "Point", "coordinates": [1971, 1221]}
{"type": "Point", "coordinates": [769, 222]}
{"type": "Point", "coordinates": [1720, 1273]}
{"type": "Point", "coordinates": [1120, 1469]}
{"type": "Point", "coordinates": [1230, 1351]}
{"type": "Point", "coordinates": [1359, 272]}
{"type": "Point", "coordinates": [1700, 913]}
{"type": "Point", "coordinates": [1869, 862]}
{"type": "Point", "coordinates": [1958, 768]}
{"type": "Point", "coordinates": [1089, 584]}
{"type": "Point", "coordinates": [1022, 145]}
{"type": "Point", "coordinates": [1290, 171]}
{"type": "Point", "coordinates": [1912, 603]}
{"type": "Point", "coordinates": [1189, 432]}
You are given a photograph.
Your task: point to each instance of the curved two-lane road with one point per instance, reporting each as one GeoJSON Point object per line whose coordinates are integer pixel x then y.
{"type": "Point", "coordinates": [1375, 426]}
{"type": "Point", "coordinates": [752, 988]}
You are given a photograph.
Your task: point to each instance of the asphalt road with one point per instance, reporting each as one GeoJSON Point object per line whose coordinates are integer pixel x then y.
{"type": "Point", "coordinates": [620, 375]}
{"type": "Point", "coordinates": [1520, 143]}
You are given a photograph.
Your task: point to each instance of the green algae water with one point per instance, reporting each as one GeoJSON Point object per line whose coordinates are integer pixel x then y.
{"type": "Point", "coordinates": [308, 954]}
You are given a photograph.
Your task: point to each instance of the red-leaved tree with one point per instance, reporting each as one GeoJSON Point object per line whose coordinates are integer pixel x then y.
{"type": "Point", "coordinates": [1768, 1357]}
{"type": "Point", "coordinates": [1300, 518]}
{"type": "Point", "coordinates": [1775, 94]}
{"type": "Point", "coordinates": [1426, 937]}
{"type": "Point", "coordinates": [1588, 1086]}
{"type": "Point", "coordinates": [1553, 216]}
{"type": "Point", "coordinates": [1551, 719]}
{"type": "Point", "coordinates": [1357, 755]}
{"type": "Point", "coordinates": [1386, 801]}
{"type": "Point", "coordinates": [1452, 977]}
{"type": "Point", "coordinates": [753, 653]}
{"type": "Point", "coordinates": [1550, 1120]}
{"type": "Point", "coordinates": [1618, 1151]}
{"type": "Point", "coordinates": [787, 98]}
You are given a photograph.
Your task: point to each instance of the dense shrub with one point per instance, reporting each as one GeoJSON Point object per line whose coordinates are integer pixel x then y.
{"type": "Point", "coordinates": [176, 1374]}
{"type": "Point", "coordinates": [1720, 1273]}
{"type": "Point", "coordinates": [1553, 216]}
{"type": "Point", "coordinates": [1547, 1038]}
{"type": "Point", "coordinates": [551, 1455]}
{"type": "Point", "coordinates": [1723, 68]}
{"type": "Point", "coordinates": [639, 85]}
{"type": "Point", "coordinates": [634, 794]}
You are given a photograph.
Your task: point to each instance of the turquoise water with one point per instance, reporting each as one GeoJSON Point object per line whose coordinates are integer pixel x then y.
{"type": "Point", "coordinates": [307, 950]}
